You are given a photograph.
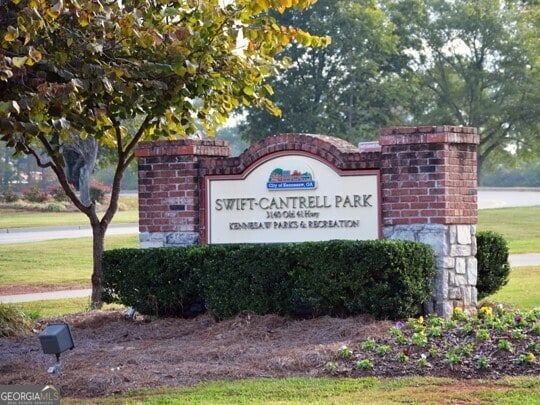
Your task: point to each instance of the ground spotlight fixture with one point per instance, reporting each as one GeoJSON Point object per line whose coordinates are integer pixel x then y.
{"type": "Point", "coordinates": [55, 339]}
{"type": "Point", "coordinates": [131, 313]}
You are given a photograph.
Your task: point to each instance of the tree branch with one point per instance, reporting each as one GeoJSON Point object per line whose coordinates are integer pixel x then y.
{"type": "Point", "coordinates": [131, 145]}
{"type": "Point", "coordinates": [125, 157]}
{"type": "Point", "coordinates": [57, 167]}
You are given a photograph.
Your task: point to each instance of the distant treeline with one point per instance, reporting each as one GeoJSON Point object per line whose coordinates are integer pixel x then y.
{"type": "Point", "coordinates": [522, 176]}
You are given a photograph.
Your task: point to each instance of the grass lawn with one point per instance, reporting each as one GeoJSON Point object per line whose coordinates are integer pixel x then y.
{"type": "Point", "coordinates": [57, 262]}
{"type": "Point", "coordinates": [523, 289]}
{"type": "Point", "coordinates": [55, 308]}
{"type": "Point", "coordinates": [519, 226]}
{"type": "Point", "coordinates": [369, 390]}
{"type": "Point", "coordinates": [24, 219]}
{"type": "Point", "coordinates": [11, 218]}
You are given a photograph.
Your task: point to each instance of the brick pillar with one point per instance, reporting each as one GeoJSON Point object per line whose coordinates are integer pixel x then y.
{"type": "Point", "coordinates": [429, 195]}
{"type": "Point", "coordinates": [169, 190]}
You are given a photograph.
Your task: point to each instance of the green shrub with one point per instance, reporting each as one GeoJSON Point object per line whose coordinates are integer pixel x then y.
{"type": "Point", "coordinates": [34, 195]}
{"type": "Point", "coordinates": [24, 205]}
{"type": "Point", "coordinates": [247, 277]}
{"type": "Point", "coordinates": [58, 194]}
{"type": "Point", "coordinates": [493, 266]}
{"type": "Point", "coordinates": [98, 192]}
{"type": "Point", "coordinates": [155, 281]}
{"type": "Point", "coordinates": [10, 196]}
{"type": "Point", "coordinates": [388, 279]}
{"type": "Point", "coordinates": [384, 278]}
{"type": "Point", "coordinates": [13, 321]}
{"type": "Point", "coordinates": [55, 207]}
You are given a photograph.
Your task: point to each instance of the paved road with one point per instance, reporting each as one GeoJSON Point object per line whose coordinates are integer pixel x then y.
{"type": "Point", "coordinates": [44, 296]}
{"type": "Point", "coordinates": [501, 198]}
{"type": "Point", "coordinates": [526, 259]}
{"type": "Point", "coordinates": [23, 235]}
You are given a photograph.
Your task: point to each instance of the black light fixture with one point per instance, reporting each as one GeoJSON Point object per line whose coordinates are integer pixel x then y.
{"type": "Point", "coordinates": [55, 339]}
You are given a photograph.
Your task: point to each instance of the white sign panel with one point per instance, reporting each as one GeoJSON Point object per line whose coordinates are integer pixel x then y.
{"type": "Point", "coordinates": [292, 198]}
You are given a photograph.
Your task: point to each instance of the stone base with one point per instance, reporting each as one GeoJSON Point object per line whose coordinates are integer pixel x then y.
{"type": "Point", "coordinates": [166, 239]}
{"type": "Point", "coordinates": [455, 251]}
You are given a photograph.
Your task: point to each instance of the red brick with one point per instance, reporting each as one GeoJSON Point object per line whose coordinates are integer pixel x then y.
{"type": "Point", "coordinates": [399, 206]}
{"type": "Point", "coordinates": [419, 206]}
{"type": "Point", "coordinates": [142, 152]}
{"type": "Point", "coordinates": [400, 221]}
{"type": "Point", "coordinates": [437, 138]}
{"type": "Point", "coordinates": [409, 198]}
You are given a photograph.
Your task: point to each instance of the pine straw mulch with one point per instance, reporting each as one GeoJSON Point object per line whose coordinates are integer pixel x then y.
{"type": "Point", "coordinates": [113, 354]}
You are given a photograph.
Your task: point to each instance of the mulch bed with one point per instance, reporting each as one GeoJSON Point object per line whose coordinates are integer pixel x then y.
{"type": "Point", "coordinates": [113, 354]}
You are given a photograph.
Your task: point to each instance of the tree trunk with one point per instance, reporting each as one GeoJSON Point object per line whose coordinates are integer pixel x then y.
{"type": "Point", "coordinates": [4, 170]}
{"type": "Point", "coordinates": [84, 182]}
{"type": "Point", "coordinates": [98, 233]}
{"type": "Point", "coordinates": [87, 151]}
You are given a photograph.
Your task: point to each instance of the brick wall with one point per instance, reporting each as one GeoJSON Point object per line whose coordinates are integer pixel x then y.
{"type": "Point", "coordinates": [429, 175]}
{"type": "Point", "coordinates": [169, 189]}
{"type": "Point", "coordinates": [337, 152]}
{"type": "Point", "coordinates": [171, 177]}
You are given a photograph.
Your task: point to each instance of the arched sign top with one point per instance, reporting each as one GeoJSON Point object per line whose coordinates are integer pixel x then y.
{"type": "Point", "coordinates": [336, 153]}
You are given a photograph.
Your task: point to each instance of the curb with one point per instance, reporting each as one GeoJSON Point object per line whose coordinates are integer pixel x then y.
{"type": "Point", "coordinates": [517, 189]}
{"type": "Point", "coordinates": [44, 296]}
{"type": "Point", "coordinates": [62, 228]}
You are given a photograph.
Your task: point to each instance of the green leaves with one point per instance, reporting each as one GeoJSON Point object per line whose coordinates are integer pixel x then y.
{"type": "Point", "coordinates": [90, 66]}
{"type": "Point", "coordinates": [348, 88]}
{"type": "Point", "coordinates": [304, 279]}
{"type": "Point", "coordinates": [248, 90]}
{"type": "Point", "coordinates": [472, 71]}
{"type": "Point", "coordinates": [6, 108]}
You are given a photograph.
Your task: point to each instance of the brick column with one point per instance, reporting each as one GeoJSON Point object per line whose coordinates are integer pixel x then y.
{"type": "Point", "coordinates": [429, 195]}
{"type": "Point", "coordinates": [169, 190]}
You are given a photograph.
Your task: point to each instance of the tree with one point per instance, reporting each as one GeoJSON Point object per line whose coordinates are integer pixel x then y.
{"type": "Point", "coordinates": [231, 134]}
{"type": "Point", "coordinates": [7, 168]}
{"type": "Point", "coordinates": [349, 89]}
{"type": "Point", "coordinates": [80, 156]}
{"type": "Point", "coordinates": [82, 69]}
{"type": "Point", "coordinates": [477, 64]}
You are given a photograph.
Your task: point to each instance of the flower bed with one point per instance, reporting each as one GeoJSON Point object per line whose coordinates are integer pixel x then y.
{"type": "Point", "coordinates": [496, 342]}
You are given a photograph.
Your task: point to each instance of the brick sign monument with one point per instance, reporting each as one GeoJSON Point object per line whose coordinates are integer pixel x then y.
{"type": "Point", "coordinates": [415, 183]}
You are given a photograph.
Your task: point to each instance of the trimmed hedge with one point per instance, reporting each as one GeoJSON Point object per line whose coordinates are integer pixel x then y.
{"type": "Point", "coordinates": [493, 267]}
{"type": "Point", "coordinates": [155, 281]}
{"type": "Point", "coordinates": [385, 278]}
